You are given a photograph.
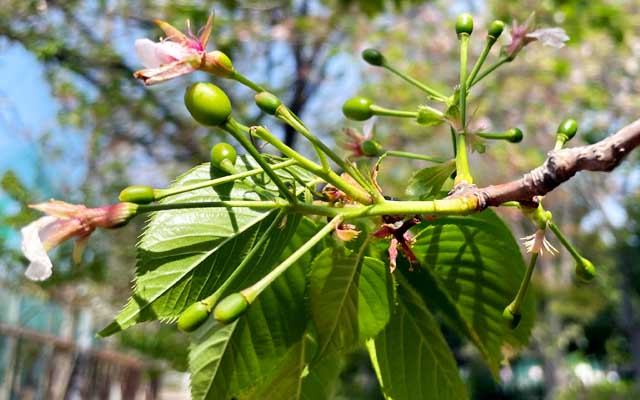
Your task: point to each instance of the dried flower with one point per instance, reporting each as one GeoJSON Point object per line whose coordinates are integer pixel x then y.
{"type": "Point", "coordinates": [63, 222]}
{"type": "Point", "coordinates": [179, 54]}
{"type": "Point", "coordinates": [537, 243]}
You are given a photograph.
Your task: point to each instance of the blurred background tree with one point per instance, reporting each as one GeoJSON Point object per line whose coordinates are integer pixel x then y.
{"type": "Point", "coordinates": [111, 131]}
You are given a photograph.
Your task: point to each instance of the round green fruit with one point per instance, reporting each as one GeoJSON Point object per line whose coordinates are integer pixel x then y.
{"type": "Point", "coordinates": [516, 135]}
{"type": "Point", "coordinates": [371, 148]}
{"type": "Point", "coordinates": [512, 319]}
{"type": "Point", "coordinates": [194, 316]}
{"type": "Point", "coordinates": [137, 194]}
{"type": "Point", "coordinates": [568, 128]}
{"type": "Point", "coordinates": [496, 28]}
{"type": "Point", "coordinates": [464, 24]}
{"type": "Point", "coordinates": [373, 57]}
{"type": "Point", "coordinates": [585, 270]}
{"type": "Point", "coordinates": [223, 153]}
{"type": "Point", "coordinates": [230, 308]}
{"type": "Point", "coordinates": [358, 108]}
{"type": "Point", "coordinates": [267, 102]}
{"type": "Point", "coordinates": [207, 103]}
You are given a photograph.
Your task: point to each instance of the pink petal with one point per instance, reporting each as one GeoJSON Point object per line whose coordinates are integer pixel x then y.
{"type": "Point", "coordinates": [169, 71]}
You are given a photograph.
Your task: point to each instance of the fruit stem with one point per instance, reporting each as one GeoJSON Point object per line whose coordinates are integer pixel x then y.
{"type": "Point", "coordinates": [211, 301]}
{"type": "Point", "coordinates": [414, 156]}
{"type": "Point", "coordinates": [253, 291]}
{"type": "Point", "coordinates": [377, 110]}
{"type": "Point", "coordinates": [464, 47]}
{"type": "Point", "coordinates": [489, 70]}
{"type": "Point", "coordinates": [235, 130]}
{"type": "Point", "coordinates": [162, 193]}
{"type": "Point", "coordinates": [556, 231]}
{"type": "Point", "coordinates": [514, 307]}
{"type": "Point", "coordinates": [480, 61]}
{"type": "Point", "coordinates": [237, 76]}
{"type": "Point", "coordinates": [433, 94]}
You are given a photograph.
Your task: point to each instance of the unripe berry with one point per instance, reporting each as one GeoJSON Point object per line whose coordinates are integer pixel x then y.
{"type": "Point", "coordinates": [512, 319]}
{"type": "Point", "coordinates": [516, 135]}
{"type": "Point", "coordinates": [358, 108]}
{"type": "Point", "coordinates": [230, 308]}
{"type": "Point", "coordinates": [373, 57]}
{"type": "Point", "coordinates": [568, 128]}
{"type": "Point", "coordinates": [137, 194]}
{"type": "Point", "coordinates": [267, 102]}
{"type": "Point", "coordinates": [370, 148]}
{"type": "Point", "coordinates": [223, 156]}
{"type": "Point", "coordinates": [464, 24]}
{"type": "Point", "coordinates": [496, 28]}
{"type": "Point", "coordinates": [207, 103]}
{"type": "Point", "coordinates": [585, 269]}
{"type": "Point", "coordinates": [194, 316]}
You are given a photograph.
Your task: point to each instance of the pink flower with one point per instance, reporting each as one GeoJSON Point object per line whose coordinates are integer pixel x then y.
{"type": "Point", "coordinates": [63, 222]}
{"type": "Point", "coordinates": [521, 35]}
{"type": "Point", "coordinates": [400, 235]}
{"type": "Point", "coordinates": [179, 54]}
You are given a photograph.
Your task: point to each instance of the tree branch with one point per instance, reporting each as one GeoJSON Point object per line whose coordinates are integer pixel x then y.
{"type": "Point", "coordinates": [559, 167]}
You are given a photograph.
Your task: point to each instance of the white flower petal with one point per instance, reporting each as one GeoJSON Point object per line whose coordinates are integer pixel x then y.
{"type": "Point", "coordinates": [32, 247]}
{"type": "Point", "coordinates": [554, 37]}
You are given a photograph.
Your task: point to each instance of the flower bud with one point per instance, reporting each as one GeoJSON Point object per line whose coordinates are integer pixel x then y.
{"type": "Point", "coordinates": [230, 308]}
{"type": "Point", "coordinates": [358, 108]}
{"type": "Point", "coordinates": [568, 128]}
{"type": "Point", "coordinates": [137, 194]}
{"type": "Point", "coordinates": [218, 64]}
{"type": "Point", "coordinates": [585, 270]}
{"type": "Point", "coordinates": [267, 102]}
{"type": "Point", "coordinates": [464, 24]}
{"type": "Point", "coordinates": [207, 103]}
{"type": "Point", "coordinates": [512, 319]}
{"type": "Point", "coordinates": [224, 156]}
{"type": "Point", "coordinates": [373, 57]}
{"type": "Point", "coordinates": [516, 135]}
{"type": "Point", "coordinates": [495, 29]}
{"type": "Point", "coordinates": [194, 316]}
{"type": "Point", "coordinates": [371, 148]}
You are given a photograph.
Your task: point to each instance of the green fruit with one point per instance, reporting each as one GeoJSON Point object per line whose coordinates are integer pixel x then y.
{"type": "Point", "coordinates": [585, 269]}
{"type": "Point", "coordinates": [358, 108]}
{"type": "Point", "coordinates": [194, 316]}
{"type": "Point", "coordinates": [464, 24]}
{"type": "Point", "coordinates": [516, 135]}
{"type": "Point", "coordinates": [496, 28]}
{"type": "Point", "coordinates": [137, 194]}
{"type": "Point", "coordinates": [568, 128]}
{"type": "Point", "coordinates": [207, 103]}
{"type": "Point", "coordinates": [373, 57]}
{"type": "Point", "coordinates": [512, 319]}
{"type": "Point", "coordinates": [223, 156]}
{"type": "Point", "coordinates": [230, 308]}
{"type": "Point", "coordinates": [267, 102]}
{"type": "Point", "coordinates": [370, 148]}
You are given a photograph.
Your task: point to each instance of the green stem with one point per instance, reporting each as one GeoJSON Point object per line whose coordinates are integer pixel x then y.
{"type": "Point", "coordinates": [556, 231]}
{"type": "Point", "coordinates": [480, 61]}
{"type": "Point", "coordinates": [495, 135]}
{"type": "Point", "coordinates": [489, 70]}
{"type": "Point", "coordinates": [253, 291]}
{"type": "Point", "coordinates": [522, 291]}
{"type": "Point", "coordinates": [255, 204]}
{"type": "Point", "coordinates": [464, 47]}
{"type": "Point", "coordinates": [434, 94]}
{"type": "Point", "coordinates": [286, 115]}
{"type": "Point", "coordinates": [377, 110]}
{"type": "Point", "coordinates": [414, 156]}
{"type": "Point", "coordinates": [247, 82]}
{"type": "Point", "coordinates": [355, 193]}
{"type": "Point", "coordinates": [162, 193]}
{"type": "Point", "coordinates": [235, 130]}
{"type": "Point", "coordinates": [462, 163]}
{"type": "Point", "coordinates": [212, 300]}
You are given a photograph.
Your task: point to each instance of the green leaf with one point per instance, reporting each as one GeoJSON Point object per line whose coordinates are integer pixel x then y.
{"type": "Point", "coordinates": [239, 359]}
{"type": "Point", "coordinates": [477, 260]}
{"type": "Point", "coordinates": [426, 183]}
{"type": "Point", "coordinates": [411, 357]}
{"type": "Point", "coordinates": [350, 298]}
{"type": "Point", "coordinates": [184, 255]}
